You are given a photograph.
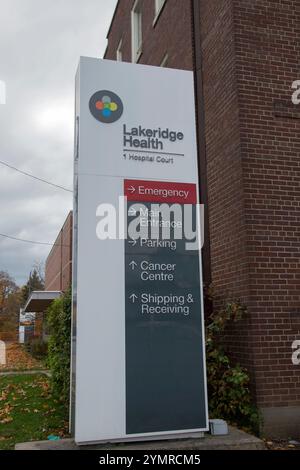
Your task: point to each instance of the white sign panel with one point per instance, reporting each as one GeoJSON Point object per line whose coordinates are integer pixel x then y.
{"type": "Point", "coordinates": [2, 92]}
{"type": "Point", "coordinates": [138, 362]}
{"type": "Point", "coordinates": [2, 353]}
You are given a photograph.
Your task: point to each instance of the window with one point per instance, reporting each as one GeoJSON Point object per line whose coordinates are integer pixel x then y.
{"type": "Point", "coordinates": [164, 62]}
{"type": "Point", "coordinates": [158, 8]}
{"type": "Point", "coordinates": [119, 51]}
{"type": "Point", "coordinates": [136, 30]}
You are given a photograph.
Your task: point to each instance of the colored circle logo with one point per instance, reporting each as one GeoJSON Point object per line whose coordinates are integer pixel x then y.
{"type": "Point", "coordinates": [106, 106]}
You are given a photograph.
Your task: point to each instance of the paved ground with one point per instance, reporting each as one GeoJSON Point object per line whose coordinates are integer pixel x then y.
{"type": "Point", "coordinates": [235, 440]}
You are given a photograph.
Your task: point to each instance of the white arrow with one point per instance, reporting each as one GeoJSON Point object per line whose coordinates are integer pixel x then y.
{"type": "Point", "coordinates": [131, 189]}
{"type": "Point", "coordinates": [132, 211]}
{"type": "Point", "coordinates": [133, 265]}
{"type": "Point", "coordinates": [133, 298]}
{"type": "Point", "coordinates": [132, 242]}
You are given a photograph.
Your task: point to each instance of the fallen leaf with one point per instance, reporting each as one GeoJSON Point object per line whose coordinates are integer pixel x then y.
{"type": "Point", "coordinates": [6, 420]}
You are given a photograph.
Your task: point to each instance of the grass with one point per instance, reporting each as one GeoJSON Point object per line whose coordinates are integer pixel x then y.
{"type": "Point", "coordinates": [28, 412]}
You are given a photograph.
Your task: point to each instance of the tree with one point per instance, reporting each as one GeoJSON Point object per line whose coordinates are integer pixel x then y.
{"type": "Point", "coordinates": [10, 302]}
{"type": "Point", "coordinates": [35, 282]}
{"type": "Point", "coordinates": [7, 287]}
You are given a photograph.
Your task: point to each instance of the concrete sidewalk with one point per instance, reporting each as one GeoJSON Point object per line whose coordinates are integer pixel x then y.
{"type": "Point", "coordinates": [235, 440]}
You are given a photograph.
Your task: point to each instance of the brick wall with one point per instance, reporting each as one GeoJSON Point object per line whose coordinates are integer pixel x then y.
{"type": "Point", "coordinates": [58, 272]}
{"type": "Point", "coordinates": [250, 59]}
{"type": "Point", "coordinates": [53, 266]}
{"type": "Point", "coordinates": [171, 34]}
{"type": "Point", "coordinates": [267, 35]}
{"type": "Point", "coordinates": [229, 267]}
{"type": "Point", "coordinates": [120, 29]}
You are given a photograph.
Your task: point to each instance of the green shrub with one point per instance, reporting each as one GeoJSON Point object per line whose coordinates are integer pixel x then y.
{"type": "Point", "coordinates": [228, 384]}
{"type": "Point", "coordinates": [59, 323]}
{"type": "Point", "coordinates": [38, 348]}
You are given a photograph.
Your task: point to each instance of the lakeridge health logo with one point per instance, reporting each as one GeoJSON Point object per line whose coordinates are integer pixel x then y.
{"type": "Point", "coordinates": [106, 106]}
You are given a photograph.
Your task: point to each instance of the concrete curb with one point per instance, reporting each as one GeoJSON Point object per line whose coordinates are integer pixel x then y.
{"type": "Point", "coordinates": [235, 440]}
{"type": "Point", "coordinates": [25, 372]}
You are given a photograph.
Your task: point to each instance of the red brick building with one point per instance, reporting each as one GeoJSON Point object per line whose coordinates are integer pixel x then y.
{"type": "Point", "coordinates": [58, 275]}
{"type": "Point", "coordinates": [245, 56]}
{"type": "Point", "coordinates": [58, 270]}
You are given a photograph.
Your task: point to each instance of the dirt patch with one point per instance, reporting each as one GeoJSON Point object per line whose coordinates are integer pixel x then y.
{"type": "Point", "coordinates": [17, 358]}
{"type": "Point", "coordinates": [279, 444]}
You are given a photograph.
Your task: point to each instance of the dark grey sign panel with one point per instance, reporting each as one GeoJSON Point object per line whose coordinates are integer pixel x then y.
{"type": "Point", "coordinates": [165, 386]}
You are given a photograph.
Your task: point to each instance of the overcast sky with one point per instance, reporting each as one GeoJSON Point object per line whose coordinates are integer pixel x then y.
{"type": "Point", "coordinates": [40, 45]}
